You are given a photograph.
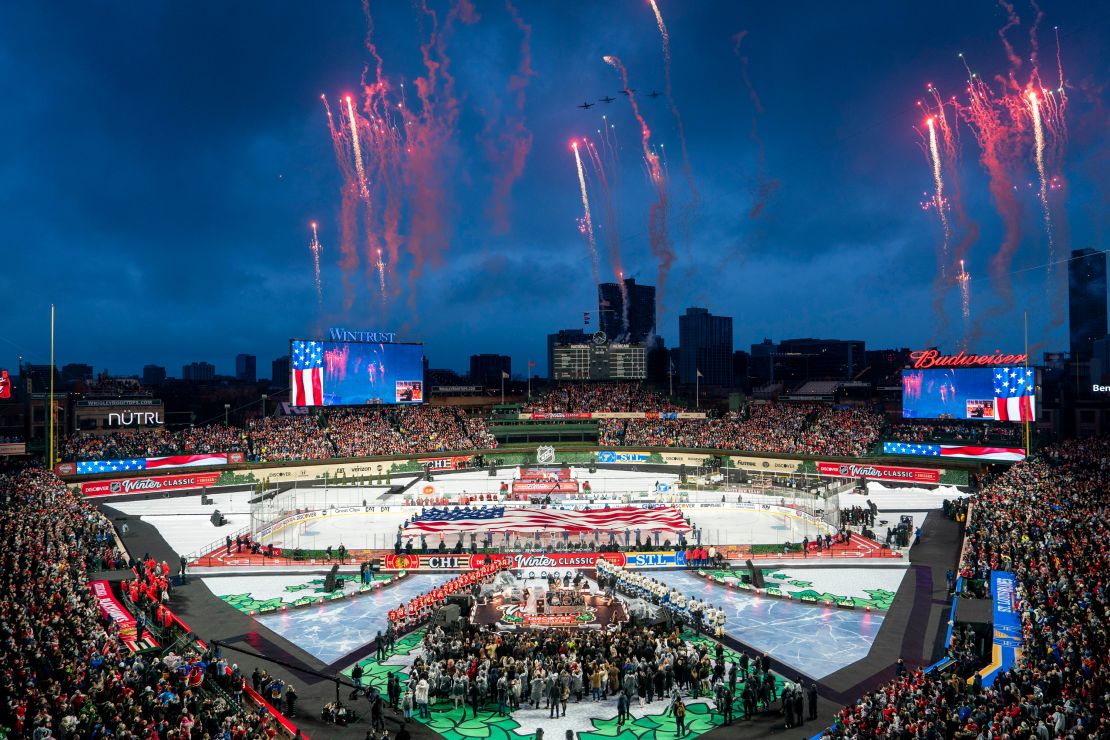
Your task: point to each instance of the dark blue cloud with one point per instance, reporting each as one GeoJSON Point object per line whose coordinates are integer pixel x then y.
{"type": "Point", "coordinates": [162, 162]}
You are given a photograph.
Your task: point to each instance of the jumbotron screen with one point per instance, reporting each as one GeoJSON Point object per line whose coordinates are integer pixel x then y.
{"type": "Point", "coordinates": [981, 394]}
{"type": "Point", "coordinates": [327, 373]}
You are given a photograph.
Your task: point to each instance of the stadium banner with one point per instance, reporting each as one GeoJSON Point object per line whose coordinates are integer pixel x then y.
{"type": "Point", "coordinates": [554, 415]}
{"type": "Point", "coordinates": [457, 462]}
{"type": "Point", "coordinates": [404, 561]}
{"type": "Point", "coordinates": [963, 452]}
{"type": "Point", "coordinates": [879, 472]}
{"type": "Point", "coordinates": [548, 474]}
{"type": "Point", "coordinates": [669, 559]}
{"type": "Point", "coordinates": [764, 464]}
{"type": "Point", "coordinates": [1006, 632]}
{"type": "Point", "coordinates": [545, 486]}
{"type": "Point", "coordinates": [612, 456]}
{"type": "Point", "coordinates": [96, 467]}
{"type": "Point", "coordinates": [12, 448]}
{"type": "Point", "coordinates": [115, 611]}
{"type": "Point", "coordinates": [151, 484]}
{"type": "Point", "coordinates": [518, 561]}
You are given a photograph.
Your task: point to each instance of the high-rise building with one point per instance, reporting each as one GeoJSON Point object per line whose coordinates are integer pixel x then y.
{"type": "Point", "coordinates": [640, 311]}
{"type": "Point", "coordinates": [799, 360]}
{"type": "Point", "coordinates": [761, 365]}
{"type": "Point", "coordinates": [486, 369]}
{"type": "Point", "coordinates": [1086, 301]}
{"type": "Point", "coordinates": [246, 368]}
{"type": "Point", "coordinates": [705, 346]}
{"type": "Point", "coordinates": [75, 371]}
{"type": "Point", "coordinates": [153, 375]}
{"type": "Point", "coordinates": [198, 371]}
{"type": "Point", "coordinates": [279, 372]}
{"type": "Point", "coordinates": [563, 336]}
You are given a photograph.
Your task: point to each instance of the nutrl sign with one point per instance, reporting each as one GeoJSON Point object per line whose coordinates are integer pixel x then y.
{"type": "Point", "coordinates": [135, 418]}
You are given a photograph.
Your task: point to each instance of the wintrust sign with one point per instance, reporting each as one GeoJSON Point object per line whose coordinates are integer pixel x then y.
{"type": "Point", "coordinates": [150, 484]}
{"type": "Point", "coordinates": [879, 472]}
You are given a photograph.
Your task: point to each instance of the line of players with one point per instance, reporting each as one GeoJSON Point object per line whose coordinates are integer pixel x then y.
{"type": "Point", "coordinates": [423, 606]}
{"type": "Point", "coordinates": [691, 610]}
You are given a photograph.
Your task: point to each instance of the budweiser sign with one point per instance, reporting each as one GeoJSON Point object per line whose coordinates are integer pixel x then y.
{"type": "Point", "coordinates": [153, 483]}
{"type": "Point", "coordinates": [879, 472]}
{"type": "Point", "coordinates": [927, 358]}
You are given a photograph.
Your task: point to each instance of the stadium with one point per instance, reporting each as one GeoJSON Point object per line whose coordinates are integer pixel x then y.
{"type": "Point", "coordinates": [732, 407]}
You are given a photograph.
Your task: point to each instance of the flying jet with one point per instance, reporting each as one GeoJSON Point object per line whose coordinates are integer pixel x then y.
{"type": "Point", "coordinates": [586, 105]}
{"type": "Point", "coordinates": [628, 91]}
{"type": "Point", "coordinates": [607, 99]}
{"type": "Point", "coordinates": [654, 94]}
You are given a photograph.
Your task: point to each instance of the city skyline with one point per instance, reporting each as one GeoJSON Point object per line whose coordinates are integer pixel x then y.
{"type": "Point", "coordinates": [172, 223]}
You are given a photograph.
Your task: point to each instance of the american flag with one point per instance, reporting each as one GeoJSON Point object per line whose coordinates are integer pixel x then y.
{"type": "Point", "coordinates": [1002, 454]}
{"type": "Point", "coordinates": [1013, 394]}
{"type": "Point", "coordinates": [527, 520]}
{"type": "Point", "coordinates": [308, 373]}
{"type": "Point", "coordinates": [150, 463]}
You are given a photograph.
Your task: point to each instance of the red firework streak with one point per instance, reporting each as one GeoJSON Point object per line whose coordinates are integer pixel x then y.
{"type": "Point", "coordinates": [612, 236]}
{"type": "Point", "coordinates": [348, 225]}
{"type": "Point", "coordinates": [586, 223]}
{"type": "Point", "coordinates": [764, 185]}
{"type": "Point", "coordinates": [657, 215]}
{"type": "Point", "coordinates": [666, 37]}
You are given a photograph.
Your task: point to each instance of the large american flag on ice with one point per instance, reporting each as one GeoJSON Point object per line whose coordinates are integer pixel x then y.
{"type": "Point", "coordinates": [308, 373]}
{"type": "Point", "coordinates": [1014, 397]}
{"type": "Point", "coordinates": [528, 520]}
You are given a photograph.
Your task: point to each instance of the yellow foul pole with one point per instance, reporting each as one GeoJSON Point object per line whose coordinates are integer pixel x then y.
{"type": "Point", "coordinates": [50, 402]}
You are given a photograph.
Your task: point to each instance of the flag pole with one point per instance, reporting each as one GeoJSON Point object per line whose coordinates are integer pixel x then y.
{"type": "Point", "coordinates": [697, 388]}
{"type": "Point", "coordinates": [529, 380]}
{"type": "Point", "coordinates": [502, 387]}
{"type": "Point", "coordinates": [50, 428]}
{"type": "Point", "coordinates": [1033, 405]}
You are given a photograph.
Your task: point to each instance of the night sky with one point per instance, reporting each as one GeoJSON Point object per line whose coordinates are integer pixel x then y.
{"type": "Point", "coordinates": [162, 162]}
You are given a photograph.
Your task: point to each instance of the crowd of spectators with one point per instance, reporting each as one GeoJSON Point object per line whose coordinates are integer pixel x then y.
{"type": "Point", "coordinates": [590, 397]}
{"type": "Point", "coordinates": [288, 438]}
{"type": "Point", "coordinates": [948, 430]}
{"type": "Point", "coordinates": [346, 432]}
{"type": "Point", "coordinates": [65, 670]}
{"type": "Point", "coordinates": [1045, 520]}
{"type": "Point", "coordinates": [785, 428]}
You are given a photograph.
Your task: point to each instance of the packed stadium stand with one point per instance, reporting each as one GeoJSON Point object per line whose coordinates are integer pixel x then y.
{"type": "Point", "coordinates": [1045, 520]}
{"type": "Point", "coordinates": [68, 670]}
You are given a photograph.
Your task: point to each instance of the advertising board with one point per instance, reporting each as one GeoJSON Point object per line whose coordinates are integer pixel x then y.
{"type": "Point", "coordinates": [612, 456]}
{"type": "Point", "coordinates": [96, 467]}
{"type": "Point", "coordinates": [879, 472]}
{"type": "Point", "coordinates": [151, 484]}
{"type": "Point", "coordinates": [980, 394]}
{"type": "Point", "coordinates": [329, 373]}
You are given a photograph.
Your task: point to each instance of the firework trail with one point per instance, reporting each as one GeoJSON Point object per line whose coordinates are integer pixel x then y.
{"type": "Point", "coordinates": [586, 223]}
{"type": "Point", "coordinates": [348, 219]}
{"type": "Point", "coordinates": [356, 147]}
{"type": "Point", "coordinates": [687, 170]}
{"type": "Point", "coordinates": [938, 196]}
{"type": "Point", "coordinates": [657, 215]}
{"type": "Point", "coordinates": [611, 233]}
{"type": "Point", "coordinates": [964, 281]}
{"type": "Point", "coordinates": [1042, 173]}
{"type": "Point", "coordinates": [997, 126]}
{"type": "Point", "coordinates": [381, 276]}
{"type": "Point", "coordinates": [764, 186]}
{"type": "Point", "coordinates": [314, 247]}
{"type": "Point", "coordinates": [506, 140]}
